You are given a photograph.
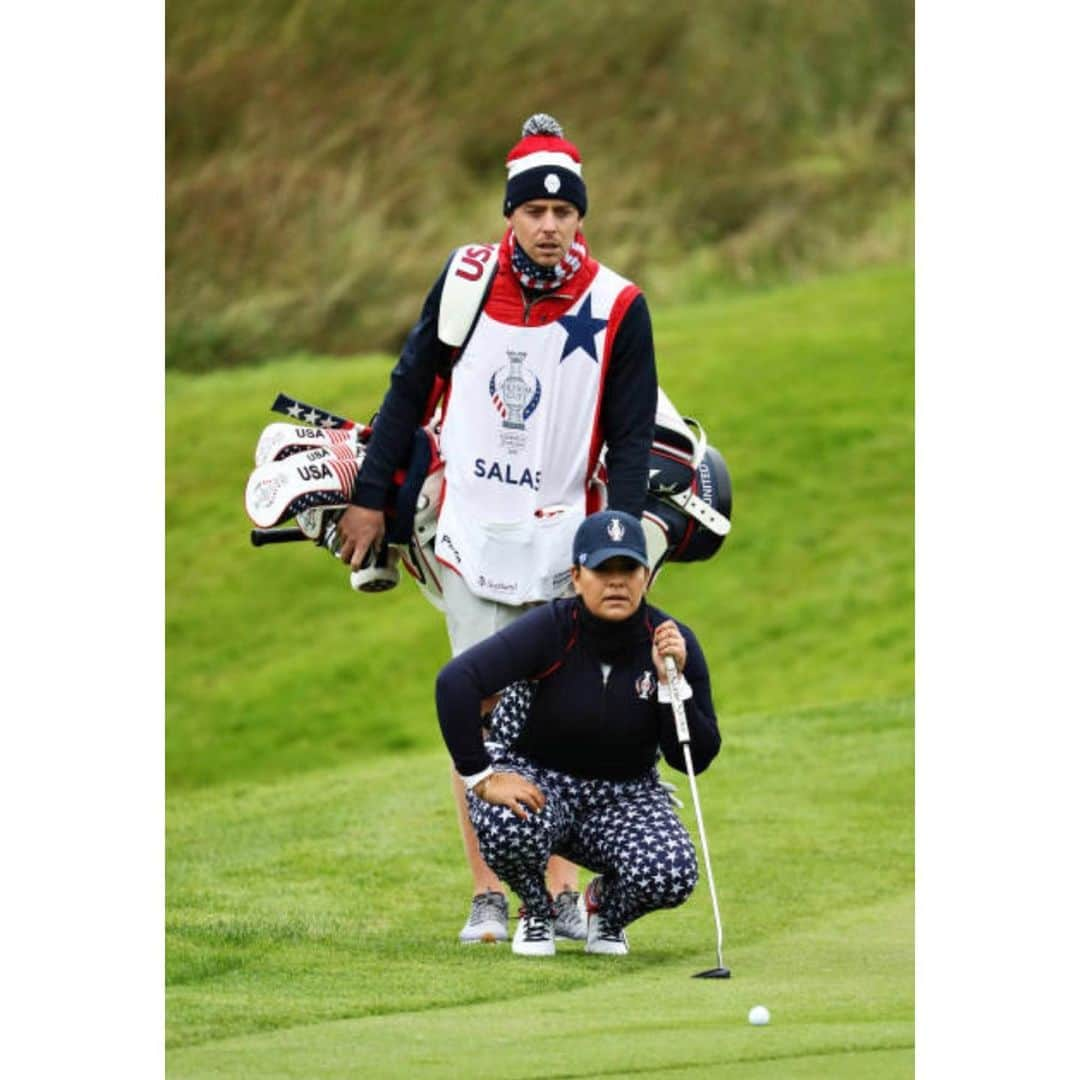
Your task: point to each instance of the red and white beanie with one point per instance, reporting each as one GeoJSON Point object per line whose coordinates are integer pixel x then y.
{"type": "Point", "coordinates": [544, 165]}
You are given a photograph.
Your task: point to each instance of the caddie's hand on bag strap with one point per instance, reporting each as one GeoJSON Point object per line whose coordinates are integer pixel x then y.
{"type": "Point", "coordinates": [360, 529]}
{"type": "Point", "coordinates": [667, 641]}
{"type": "Point", "coordinates": [510, 790]}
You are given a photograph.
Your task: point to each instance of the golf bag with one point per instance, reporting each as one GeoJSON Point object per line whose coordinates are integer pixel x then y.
{"type": "Point", "coordinates": [307, 471]}
{"type": "Point", "coordinates": [688, 506]}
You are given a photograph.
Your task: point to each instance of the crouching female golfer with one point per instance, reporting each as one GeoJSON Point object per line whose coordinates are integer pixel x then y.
{"type": "Point", "coordinates": [587, 714]}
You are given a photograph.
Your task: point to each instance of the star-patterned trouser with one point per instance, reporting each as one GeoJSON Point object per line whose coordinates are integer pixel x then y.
{"type": "Point", "coordinates": [623, 829]}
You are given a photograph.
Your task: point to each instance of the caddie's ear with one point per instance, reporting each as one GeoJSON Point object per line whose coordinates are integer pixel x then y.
{"type": "Point", "coordinates": [575, 578]}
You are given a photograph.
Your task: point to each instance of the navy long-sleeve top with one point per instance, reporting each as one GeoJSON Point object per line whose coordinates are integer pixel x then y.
{"type": "Point", "coordinates": [627, 411]}
{"type": "Point", "coordinates": [582, 721]}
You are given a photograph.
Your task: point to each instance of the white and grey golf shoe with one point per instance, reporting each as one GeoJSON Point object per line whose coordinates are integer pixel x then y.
{"type": "Point", "coordinates": [603, 937]}
{"type": "Point", "coordinates": [487, 920]}
{"type": "Point", "coordinates": [535, 935]}
{"type": "Point", "coordinates": [570, 917]}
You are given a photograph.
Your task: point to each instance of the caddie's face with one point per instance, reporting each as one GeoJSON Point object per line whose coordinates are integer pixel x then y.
{"type": "Point", "coordinates": [614, 590]}
{"type": "Point", "coordinates": [545, 228]}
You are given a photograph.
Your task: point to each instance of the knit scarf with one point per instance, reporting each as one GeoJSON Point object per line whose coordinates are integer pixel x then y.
{"type": "Point", "coordinates": [533, 276]}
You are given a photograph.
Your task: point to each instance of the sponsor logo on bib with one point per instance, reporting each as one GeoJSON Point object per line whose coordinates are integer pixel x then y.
{"type": "Point", "coordinates": [497, 586]}
{"type": "Point", "coordinates": [445, 539]}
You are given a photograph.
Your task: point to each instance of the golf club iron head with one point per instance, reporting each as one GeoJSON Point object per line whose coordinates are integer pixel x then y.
{"type": "Point", "coordinates": [714, 973]}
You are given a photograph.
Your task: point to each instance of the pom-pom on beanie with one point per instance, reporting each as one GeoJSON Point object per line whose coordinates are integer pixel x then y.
{"type": "Point", "coordinates": [544, 165]}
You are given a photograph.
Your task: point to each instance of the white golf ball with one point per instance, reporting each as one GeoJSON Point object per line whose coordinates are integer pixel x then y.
{"type": "Point", "coordinates": [759, 1015]}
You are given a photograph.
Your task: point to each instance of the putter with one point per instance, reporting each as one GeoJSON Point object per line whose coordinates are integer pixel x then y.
{"type": "Point", "coordinates": [683, 733]}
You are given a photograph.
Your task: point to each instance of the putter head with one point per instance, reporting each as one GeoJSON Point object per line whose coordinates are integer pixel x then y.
{"type": "Point", "coordinates": [714, 973]}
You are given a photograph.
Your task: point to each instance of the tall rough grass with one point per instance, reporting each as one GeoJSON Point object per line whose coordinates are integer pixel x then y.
{"type": "Point", "coordinates": [325, 155]}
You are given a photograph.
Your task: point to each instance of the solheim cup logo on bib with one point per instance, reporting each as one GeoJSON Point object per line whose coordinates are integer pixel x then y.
{"type": "Point", "coordinates": [515, 393]}
{"type": "Point", "coordinates": [616, 530]}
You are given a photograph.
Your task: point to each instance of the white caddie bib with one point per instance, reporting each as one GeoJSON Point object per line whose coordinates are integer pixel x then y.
{"type": "Point", "coordinates": [522, 412]}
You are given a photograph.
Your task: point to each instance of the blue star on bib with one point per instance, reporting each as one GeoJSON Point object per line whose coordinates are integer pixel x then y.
{"type": "Point", "coordinates": [581, 330]}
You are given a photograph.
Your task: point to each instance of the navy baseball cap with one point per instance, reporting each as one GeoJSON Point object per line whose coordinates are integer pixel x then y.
{"type": "Point", "coordinates": [607, 534]}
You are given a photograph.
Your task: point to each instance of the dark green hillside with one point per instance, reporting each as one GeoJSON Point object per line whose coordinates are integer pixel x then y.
{"type": "Point", "coordinates": [323, 157]}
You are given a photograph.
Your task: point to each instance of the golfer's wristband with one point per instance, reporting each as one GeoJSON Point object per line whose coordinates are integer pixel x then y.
{"type": "Point", "coordinates": [470, 782]}
{"type": "Point", "coordinates": [663, 691]}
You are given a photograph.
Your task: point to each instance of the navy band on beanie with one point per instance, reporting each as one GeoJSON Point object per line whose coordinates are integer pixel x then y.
{"type": "Point", "coordinates": [548, 182]}
{"type": "Point", "coordinates": [544, 165]}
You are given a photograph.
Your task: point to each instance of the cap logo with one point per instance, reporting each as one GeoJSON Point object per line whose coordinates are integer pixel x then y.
{"type": "Point", "coordinates": [616, 530]}
{"type": "Point", "coordinates": [552, 183]}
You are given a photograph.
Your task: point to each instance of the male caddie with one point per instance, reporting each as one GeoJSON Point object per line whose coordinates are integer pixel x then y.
{"type": "Point", "coordinates": [535, 377]}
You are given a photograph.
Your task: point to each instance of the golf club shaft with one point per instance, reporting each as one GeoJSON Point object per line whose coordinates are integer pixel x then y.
{"type": "Point", "coordinates": [683, 731]}
{"type": "Point", "coordinates": [705, 856]}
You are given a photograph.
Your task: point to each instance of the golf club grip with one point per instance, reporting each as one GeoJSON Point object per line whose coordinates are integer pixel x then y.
{"type": "Point", "coordinates": [681, 728]}
{"type": "Point", "coordinates": [259, 537]}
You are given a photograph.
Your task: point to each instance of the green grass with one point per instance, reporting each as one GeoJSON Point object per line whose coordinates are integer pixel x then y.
{"type": "Point", "coordinates": [315, 878]}
{"type": "Point", "coordinates": [311, 924]}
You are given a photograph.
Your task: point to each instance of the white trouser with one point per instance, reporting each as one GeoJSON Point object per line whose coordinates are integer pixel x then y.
{"type": "Point", "coordinates": [470, 618]}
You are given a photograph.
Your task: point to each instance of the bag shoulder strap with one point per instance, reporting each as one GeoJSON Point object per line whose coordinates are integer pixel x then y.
{"type": "Point", "coordinates": [465, 289]}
